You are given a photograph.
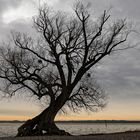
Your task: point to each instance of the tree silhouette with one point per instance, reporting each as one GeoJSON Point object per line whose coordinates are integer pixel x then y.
{"type": "Point", "coordinates": [57, 63]}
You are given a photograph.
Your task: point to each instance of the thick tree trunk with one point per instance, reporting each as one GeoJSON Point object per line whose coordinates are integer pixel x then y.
{"type": "Point", "coordinates": [43, 124]}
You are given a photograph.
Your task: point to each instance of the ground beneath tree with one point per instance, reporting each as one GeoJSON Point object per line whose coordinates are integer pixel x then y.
{"type": "Point", "coordinates": [131, 135]}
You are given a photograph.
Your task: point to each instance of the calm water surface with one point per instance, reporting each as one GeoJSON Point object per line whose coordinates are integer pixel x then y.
{"type": "Point", "coordinates": [10, 129]}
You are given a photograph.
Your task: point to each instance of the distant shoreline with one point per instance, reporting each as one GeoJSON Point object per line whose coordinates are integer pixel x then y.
{"type": "Point", "coordinates": [80, 121]}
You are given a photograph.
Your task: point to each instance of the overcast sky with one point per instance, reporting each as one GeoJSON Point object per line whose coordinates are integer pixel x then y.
{"type": "Point", "coordinates": [119, 74]}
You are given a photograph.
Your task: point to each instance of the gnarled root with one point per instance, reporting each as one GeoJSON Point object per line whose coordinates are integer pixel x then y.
{"type": "Point", "coordinates": [29, 128]}
{"type": "Point", "coordinates": [35, 128]}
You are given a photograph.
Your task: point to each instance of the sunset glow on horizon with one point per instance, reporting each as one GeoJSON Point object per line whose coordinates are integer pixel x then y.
{"type": "Point", "coordinates": [71, 118]}
{"type": "Point", "coordinates": [111, 112]}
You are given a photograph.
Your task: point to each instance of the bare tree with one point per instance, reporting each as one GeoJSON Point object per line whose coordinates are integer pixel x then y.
{"type": "Point", "coordinates": [57, 64]}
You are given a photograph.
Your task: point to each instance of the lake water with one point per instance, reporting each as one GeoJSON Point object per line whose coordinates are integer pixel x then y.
{"type": "Point", "coordinates": [10, 129]}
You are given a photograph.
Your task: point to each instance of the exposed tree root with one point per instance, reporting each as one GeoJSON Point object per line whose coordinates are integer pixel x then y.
{"type": "Point", "coordinates": [34, 127]}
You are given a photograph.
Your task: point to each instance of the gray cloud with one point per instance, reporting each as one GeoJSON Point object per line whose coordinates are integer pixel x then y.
{"type": "Point", "coordinates": [121, 69]}
{"type": "Point", "coordinates": [6, 4]}
{"type": "Point", "coordinates": [131, 8]}
{"type": "Point", "coordinates": [119, 74]}
{"type": "Point", "coordinates": [20, 24]}
{"type": "Point", "coordinates": [120, 8]}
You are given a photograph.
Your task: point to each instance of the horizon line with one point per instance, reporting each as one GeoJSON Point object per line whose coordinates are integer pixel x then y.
{"type": "Point", "coordinates": [74, 120]}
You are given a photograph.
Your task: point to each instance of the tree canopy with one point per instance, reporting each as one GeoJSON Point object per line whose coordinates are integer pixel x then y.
{"type": "Point", "coordinates": [59, 62]}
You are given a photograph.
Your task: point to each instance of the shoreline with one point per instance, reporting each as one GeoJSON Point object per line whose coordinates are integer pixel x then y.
{"type": "Point", "coordinates": [80, 121]}
{"type": "Point", "coordinates": [128, 135]}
